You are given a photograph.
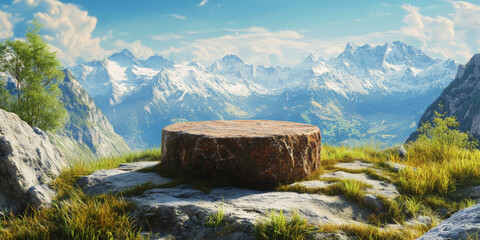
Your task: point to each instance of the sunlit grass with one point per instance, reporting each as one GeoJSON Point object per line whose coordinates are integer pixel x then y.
{"type": "Point", "coordinates": [75, 215]}
{"type": "Point", "coordinates": [439, 177]}
{"type": "Point", "coordinates": [371, 153]}
{"type": "Point", "coordinates": [277, 226]}
{"type": "Point", "coordinates": [366, 231]}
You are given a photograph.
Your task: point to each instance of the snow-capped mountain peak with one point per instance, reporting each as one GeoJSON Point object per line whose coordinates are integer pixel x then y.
{"type": "Point", "coordinates": [360, 79]}
{"type": "Point", "coordinates": [157, 62]}
{"type": "Point", "coordinates": [228, 63]}
{"type": "Point", "coordinates": [311, 58]}
{"type": "Point", "coordinates": [124, 58]}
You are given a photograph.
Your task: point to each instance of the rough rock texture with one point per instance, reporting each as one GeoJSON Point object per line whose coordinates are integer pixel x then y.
{"type": "Point", "coordinates": [119, 179]}
{"type": "Point", "coordinates": [397, 167]}
{"type": "Point", "coordinates": [355, 165]}
{"type": "Point", "coordinates": [373, 201]}
{"type": "Point", "coordinates": [184, 210]}
{"type": "Point", "coordinates": [460, 99]}
{"type": "Point", "coordinates": [461, 225]}
{"type": "Point", "coordinates": [28, 161]}
{"type": "Point", "coordinates": [181, 212]}
{"type": "Point", "coordinates": [243, 151]}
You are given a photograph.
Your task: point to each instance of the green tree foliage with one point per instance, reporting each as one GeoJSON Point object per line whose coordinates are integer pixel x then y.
{"type": "Point", "coordinates": [439, 139]}
{"type": "Point", "coordinates": [4, 95]}
{"type": "Point", "coordinates": [37, 72]}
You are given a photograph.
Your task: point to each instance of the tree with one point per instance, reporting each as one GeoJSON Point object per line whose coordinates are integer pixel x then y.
{"type": "Point", "coordinates": [36, 72]}
{"type": "Point", "coordinates": [440, 139]}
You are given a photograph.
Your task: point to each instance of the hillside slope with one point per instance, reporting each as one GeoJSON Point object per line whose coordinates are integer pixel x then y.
{"type": "Point", "coordinates": [87, 133]}
{"type": "Point", "coordinates": [460, 99]}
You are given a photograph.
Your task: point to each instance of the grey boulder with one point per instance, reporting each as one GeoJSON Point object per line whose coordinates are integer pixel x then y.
{"type": "Point", "coordinates": [464, 224]}
{"type": "Point", "coordinates": [28, 162]}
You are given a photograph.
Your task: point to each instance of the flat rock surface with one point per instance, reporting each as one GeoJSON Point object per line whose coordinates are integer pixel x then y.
{"type": "Point", "coordinates": [182, 211]}
{"type": "Point", "coordinates": [378, 187]}
{"type": "Point", "coordinates": [185, 210]}
{"type": "Point", "coordinates": [137, 165]}
{"type": "Point", "coordinates": [464, 224]}
{"type": "Point", "coordinates": [313, 184]}
{"type": "Point", "coordinates": [242, 128]}
{"type": "Point", "coordinates": [356, 165]}
{"type": "Point", "coordinates": [120, 179]}
{"type": "Point", "coordinates": [243, 152]}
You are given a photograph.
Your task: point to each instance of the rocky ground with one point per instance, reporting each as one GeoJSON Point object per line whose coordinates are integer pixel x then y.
{"type": "Point", "coordinates": [182, 211]}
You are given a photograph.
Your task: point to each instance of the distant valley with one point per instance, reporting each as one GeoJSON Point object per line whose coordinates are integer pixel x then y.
{"type": "Point", "coordinates": [367, 93]}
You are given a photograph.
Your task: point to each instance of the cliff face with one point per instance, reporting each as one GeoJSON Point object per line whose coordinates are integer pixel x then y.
{"type": "Point", "coordinates": [87, 133]}
{"type": "Point", "coordinates": [460, 99]}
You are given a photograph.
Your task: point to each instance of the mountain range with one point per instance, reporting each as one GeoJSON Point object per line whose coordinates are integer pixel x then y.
{"type": "Point", "coordinates": [366, 93]}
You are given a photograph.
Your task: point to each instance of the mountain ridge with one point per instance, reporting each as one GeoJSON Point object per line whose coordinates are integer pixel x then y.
{"type": "Point", "coordinates": [461, 98]}
{"type": "Point", "coordinates": [373, 81]}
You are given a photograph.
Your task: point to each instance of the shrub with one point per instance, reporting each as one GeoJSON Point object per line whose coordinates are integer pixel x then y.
{"type": "Point", "coordinates": [440, 139]}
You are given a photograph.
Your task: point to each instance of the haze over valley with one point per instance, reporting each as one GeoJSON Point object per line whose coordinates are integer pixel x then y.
{"type": "Point", "coordinates": [365, 94]}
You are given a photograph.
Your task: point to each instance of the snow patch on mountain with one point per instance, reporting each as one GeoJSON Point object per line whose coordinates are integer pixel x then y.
{"type": "Point", "coordinates": [362, 80]}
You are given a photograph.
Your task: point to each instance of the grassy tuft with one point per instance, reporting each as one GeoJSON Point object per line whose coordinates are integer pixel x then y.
{"type": "Point", "coordinates": [78, 217]}
{"type": "Point", "coordinates": [373, 232]}
{"type": "Point", "coordinates": [276, 226]}
{"type": "Point", "coordinates": [350, 188]}
{"type": "Point", "coordinates": [370, 152]}
{"type": "Point", "coordinates": [216, 219]}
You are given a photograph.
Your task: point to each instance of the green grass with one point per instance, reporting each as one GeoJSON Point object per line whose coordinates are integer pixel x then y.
{"type": "Point", "coordinates": [372, 232]}
{"type": "Point", "coordinates": [276, 226]}
{"type": "Point", "coordinates": [75, 215]}
{"type": "Point", "coordinates": [216, 219]}
{"type": "Point", "coordinates": [350, 188]}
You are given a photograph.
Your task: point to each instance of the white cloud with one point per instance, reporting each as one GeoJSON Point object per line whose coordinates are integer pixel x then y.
{"type": "Point", "coordinates": [179, 17]}
{"type": "Point", "coordinates": [6, 26]}
{"type": "Point", "coordinates": [203, 2]}
{"type": "Point", "coordinates": [108, 36]}
{"type": "Point", "coordinates": [166, 37]}
{"type": "Point", "coordinates": [137, 48]}
{"type": "Point", "coordinates": [454, 36]}
{"type": "Point", "coordinates": [67, 28]}
{"type": "Point", "coordinates": [255, 45]}
{"type": "Point", "coordinates": [33, 3]}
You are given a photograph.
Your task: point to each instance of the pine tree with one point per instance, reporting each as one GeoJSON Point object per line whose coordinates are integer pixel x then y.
{"type": "Point", "coordinates": [37, 72]}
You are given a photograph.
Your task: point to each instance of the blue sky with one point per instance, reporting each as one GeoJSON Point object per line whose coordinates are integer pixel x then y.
{"type": "Point", "coordinates": [268, 32]}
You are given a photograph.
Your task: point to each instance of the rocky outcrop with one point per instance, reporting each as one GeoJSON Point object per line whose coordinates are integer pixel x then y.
{"type": "Point", "coordinates": [125, 177]}
{"type": "Point", "coordinates": [460, 99]}
{"type": "Point", "coordinates": [182, 211]}
{"type": "Point", "coordinates": [243, 152]}
{"type": "Point", "coordinates": [465, 224]}
{"type": "Point", "coordinates": [87, 133]}
{"type": "Point", "coordinates": [28, 161]}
